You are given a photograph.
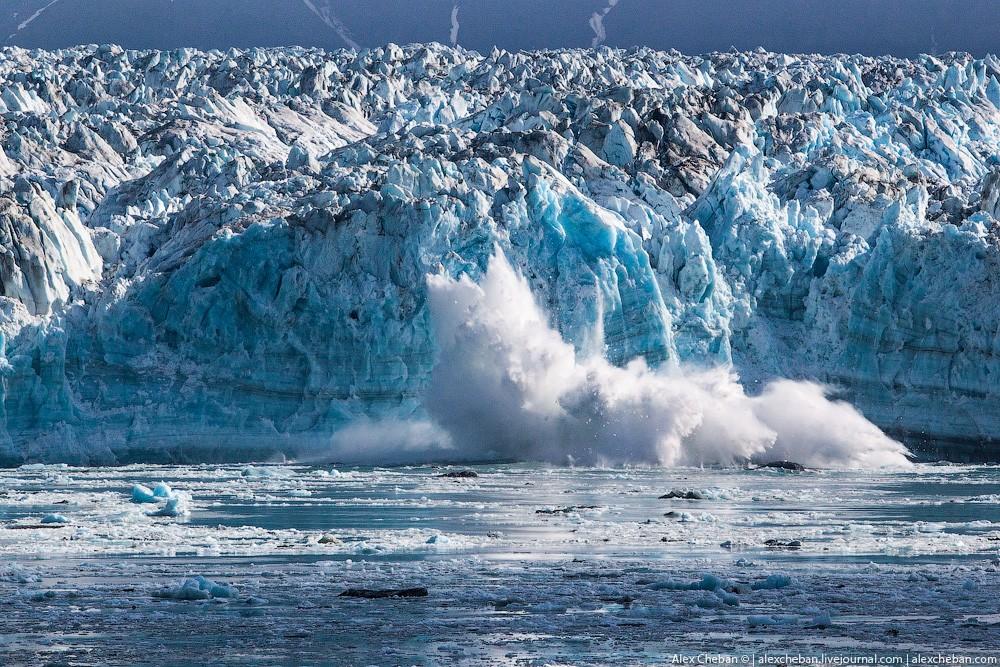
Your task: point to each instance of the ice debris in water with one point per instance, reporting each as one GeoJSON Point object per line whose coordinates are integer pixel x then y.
{"type": "Point", "coordinates": [266, 472]}
{"type": "Point", "coordinates": [175, 504]}
{"type": "Point", "coordinates": [821, 620]}
{"type": "Point", "coordinates": [772, 619]}
{"type": "Point", "coordinates": [143, 494]}
{"type": "Point", "coordinates": [54, 518]}
{"type": "Point", "coordinates": [18, 574]}
{"type": "Point", "coordinates": [773, 581]}
{"type": "Point", "coordinates": [708, 582]}
{"type": "Point", "coordinates": [196, 588]}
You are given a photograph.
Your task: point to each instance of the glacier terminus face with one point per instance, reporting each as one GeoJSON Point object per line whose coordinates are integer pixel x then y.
{"type": "Point", "coordinates": [211, 256]}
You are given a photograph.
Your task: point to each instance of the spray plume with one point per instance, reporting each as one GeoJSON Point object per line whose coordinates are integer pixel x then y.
{"type": "Point", "coordinates": [31, 19]}
{"type": "Point", "coordinates": [597, 23]}
{"type": "Point", "coordinates": [453, 35]}
{"type": "Point", "coordinates": [324, 11]}
{"type": "Point", "coordinates": [508, 386]}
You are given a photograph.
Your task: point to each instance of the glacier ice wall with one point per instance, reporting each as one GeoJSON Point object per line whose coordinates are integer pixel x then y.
{"type": "Point", "coordinates": [218, 255]}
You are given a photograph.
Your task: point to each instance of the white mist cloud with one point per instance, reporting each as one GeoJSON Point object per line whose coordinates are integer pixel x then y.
{"type": "Point", "coordinates": [324, 11]}
{"type": "Point", "coordinates": [31, 19]}
{"type": "Point", "coordinates": [508, 386]}
{"type": "Point", "coordinates": [597, 23]}
{"type": "Point", "coordinates": [453, 35]}
{"type": "Point", "coordinates": [391, 442]}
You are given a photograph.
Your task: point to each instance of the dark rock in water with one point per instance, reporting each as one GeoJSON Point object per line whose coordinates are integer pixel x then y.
{"type": "Point", "coordinates": [672, 514]}
{"type": "Point", "coordinates": [624, 600]}
{"type": "Point", "coordinates": [784, 465]}
{"type": "Point", "coordinates": [372, 594]}
{"type": "Point", "coordinates": [682, 495]}
{"type": "Point", "coordinates": [460, 474]}
{"type": "Point", "coordinates": [782, 544]}
{"type": "Point", "coordinates": [37, 526]}
{"type": "Point", "coordinates": [567, 510]}
{"type": "Point", "coordinates": [506, 602]}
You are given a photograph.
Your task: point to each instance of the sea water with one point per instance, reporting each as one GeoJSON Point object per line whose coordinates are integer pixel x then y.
{"type": "Point", "coordinates": [523, 564]}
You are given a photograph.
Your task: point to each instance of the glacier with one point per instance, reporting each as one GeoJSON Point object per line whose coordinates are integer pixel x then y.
{"type": "Point", "coordinates": [223, 255]}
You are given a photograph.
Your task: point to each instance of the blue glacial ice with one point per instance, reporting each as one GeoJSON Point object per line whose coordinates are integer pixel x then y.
{"type": "Point", "coordinates": [196, 588]}
{"type": "Point", "coordinates": [224, 255]}
{"type": "Point", "coordinates": [142, 494]}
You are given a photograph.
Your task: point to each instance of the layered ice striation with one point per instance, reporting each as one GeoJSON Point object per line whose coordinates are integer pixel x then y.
{"type": "Point", "coordinates": [223, 255]}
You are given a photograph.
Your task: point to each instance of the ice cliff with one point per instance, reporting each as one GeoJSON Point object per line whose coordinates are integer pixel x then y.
{"type": "Point", "coordinates": [223, 255]}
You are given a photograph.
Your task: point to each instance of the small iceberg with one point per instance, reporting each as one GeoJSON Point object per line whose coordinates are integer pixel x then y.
{"type": "Point", "coordinates": [196, 588]}
{"type": "Point", "coordinates": [176, 505]}
{"type": "Point", "coordinates": [143, 494]}
{"type": "Point", "coordinates": [162, 490]}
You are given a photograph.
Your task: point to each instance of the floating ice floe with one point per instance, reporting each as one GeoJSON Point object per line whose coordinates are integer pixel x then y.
{"type": "Point", "coordinates": [143, 494]}
{"type": "Point", "coordinates": [162, 490]}
{"type": "Point", "coordinates": [174, 504]}
{"type": "Point", "coordinates": [266, 472]}
{"type": "Point", "coordinates": [773, 619]}
{"type": "Point", "coordinates": [196, 588]}
{"type": "Point", "coordinates": [177, 505]}
{"type": "Point", "coordinates": [18, 574]}
{"type": "Point", "coordinates": [772, 582]}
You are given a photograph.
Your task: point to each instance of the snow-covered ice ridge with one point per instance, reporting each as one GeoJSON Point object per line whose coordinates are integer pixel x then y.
{"type": "Point", "coordinates": [220, 255]}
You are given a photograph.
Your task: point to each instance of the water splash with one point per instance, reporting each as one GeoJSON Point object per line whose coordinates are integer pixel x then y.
{"type": "Point", "coordinates": [507, 385]}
